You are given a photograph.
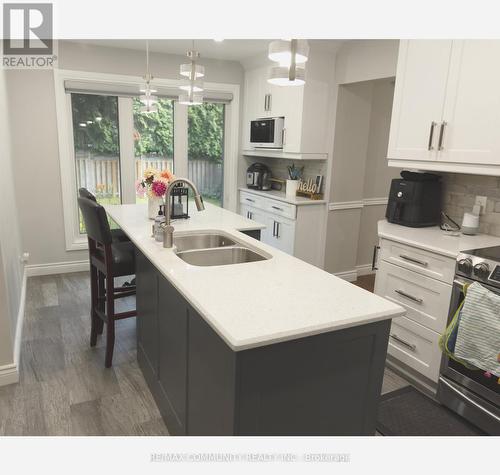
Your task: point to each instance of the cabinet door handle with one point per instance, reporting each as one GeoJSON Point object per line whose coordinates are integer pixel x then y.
{"type": "Point", "coordinates": [276, 207]}
{"type": "Point", "coordinates": [374, 258]}
{"type": "Point", "coordinates": [431, 136]}
{"type": "Point", "coordinates": [408, 345]}
{"type": "Point", "coordinates": [412, 259]}
{"type": "Point", "coordinates": [277, 229]}
{"type": "Point", "coordinates": [283, 136]}
{"type": "Point", "coordinates": [251, 201]}
{"type": "Point", "coordinates": [441, 135]}
{"type": "Point", "coordinates": [274, 228]}
{"type": "Point", "coordinates": [267, 102]}
{"type": "Point", "coordinates": [408, 296]}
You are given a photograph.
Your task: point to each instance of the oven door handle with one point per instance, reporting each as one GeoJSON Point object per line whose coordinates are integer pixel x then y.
{"type": "Point", "coordinates": [468, 399]}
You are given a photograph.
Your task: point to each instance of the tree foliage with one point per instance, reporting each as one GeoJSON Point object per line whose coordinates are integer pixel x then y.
{"type": "Point", "coordinates": [206, 132]}
{"type": "Point", "coordinates": [154, 133]}
{"type": "Point", "coordinates": [90, 133]}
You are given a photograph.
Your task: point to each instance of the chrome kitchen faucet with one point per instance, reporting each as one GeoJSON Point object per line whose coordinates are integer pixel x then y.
{"type": "Point", "coordinates": [168, 229]}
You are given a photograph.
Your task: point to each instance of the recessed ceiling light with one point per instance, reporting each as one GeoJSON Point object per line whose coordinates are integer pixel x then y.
{"type": "Point", "coordinates": [218, 40]}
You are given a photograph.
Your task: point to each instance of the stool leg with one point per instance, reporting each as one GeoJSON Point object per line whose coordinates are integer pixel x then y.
{"type": "Point", "coordinates": [101, 304]}
{"type": "Point", "coordinates": [110, 324]}
{"type": "Point", "coordinates": [93, 305]}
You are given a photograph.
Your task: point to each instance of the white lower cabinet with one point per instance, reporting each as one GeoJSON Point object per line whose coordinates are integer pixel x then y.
{"type": "Point", "coordinates": [294, 229]}
{"type": "Point", "coordinates": [421, 282]}
{"type": "Point", "coordinates": [416, 346]}
{"type": "Point", "coordinates": [280, 233]}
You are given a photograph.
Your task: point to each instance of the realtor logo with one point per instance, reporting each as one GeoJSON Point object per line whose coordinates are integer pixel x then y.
{"type": "Point", "coordinates": [27, 29]}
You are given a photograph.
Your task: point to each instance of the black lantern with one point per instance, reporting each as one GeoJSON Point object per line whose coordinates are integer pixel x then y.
{"type": "Point", "coordinates": [179, 203]}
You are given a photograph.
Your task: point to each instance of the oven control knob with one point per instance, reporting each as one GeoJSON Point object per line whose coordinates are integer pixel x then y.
{"type": "Point", "coordinates": [482, 270]}
{"type": "Point", "coordinates": [465, 265]}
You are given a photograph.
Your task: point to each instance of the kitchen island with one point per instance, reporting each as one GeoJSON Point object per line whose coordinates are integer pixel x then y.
{"type": "Point", "coordinates": [272, 347]}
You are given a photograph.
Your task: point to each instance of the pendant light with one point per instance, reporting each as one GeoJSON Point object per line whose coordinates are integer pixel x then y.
{"type": "Point", "coordinates": [148, 99]}
{"type": "Point", "coordinates": [193, 86]}
{"type": "Point", "coordinates": [280, 51]}
{"type": "Point", "coordinates": [291, 56]}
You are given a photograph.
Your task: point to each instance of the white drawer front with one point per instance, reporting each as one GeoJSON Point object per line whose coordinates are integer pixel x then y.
{"type": "Point", "coordinates": [424, 262]}
{"type": "Point", "coordinates": [415, 346]}
{"type": "Point", "coordinates": [277, 207]}
{"type": "Point", "coordinates": [250, 199]}
{"type": "Point", "coordinates": [426, 300]}
{"type": "Point", "coordinates": [286, 210]}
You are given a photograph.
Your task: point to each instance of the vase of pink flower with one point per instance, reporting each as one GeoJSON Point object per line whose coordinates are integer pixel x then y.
{"type": "Point", "coordinates": [154, 184]}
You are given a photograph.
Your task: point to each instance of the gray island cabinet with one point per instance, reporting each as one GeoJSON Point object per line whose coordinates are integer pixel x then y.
{"type": "Point", "coordinates": [325, 384]}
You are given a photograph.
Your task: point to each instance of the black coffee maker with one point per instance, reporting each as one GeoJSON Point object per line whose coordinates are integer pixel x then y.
{"type": "Point", "coordinates": [415, 200]}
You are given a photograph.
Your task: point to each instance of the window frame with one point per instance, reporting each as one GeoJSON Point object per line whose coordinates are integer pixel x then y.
{"type": "Point", "coordinates": [73, 239]}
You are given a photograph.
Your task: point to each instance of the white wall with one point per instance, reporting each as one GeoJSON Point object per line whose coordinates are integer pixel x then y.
{"type": "Point", "coordinates": [365, 60]}
{"type": "Point", "coordinates": [359, 173]}
{"type": "Point", "coordinates": [11, 269]}
{"type": "Point", "coordinates": [35, 143]}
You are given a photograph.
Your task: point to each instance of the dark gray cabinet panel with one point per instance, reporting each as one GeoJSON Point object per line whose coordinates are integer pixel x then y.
{"type": "Point", "coordinates": [173, 356]}
{"type": "Point", "coordinates": [326, 384]}
{"type": "Point", "coordinates": [211, 381]}
{"type": "Point", "coordinates": [255, 233]}
{"type": "Point", "coordinates": [147, 310]}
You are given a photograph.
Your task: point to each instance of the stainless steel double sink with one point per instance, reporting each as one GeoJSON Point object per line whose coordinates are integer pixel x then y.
{"type": "Point", "coordinates": [214, 249]}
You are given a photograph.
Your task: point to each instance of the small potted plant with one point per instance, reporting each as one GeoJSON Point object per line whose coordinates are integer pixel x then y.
{"type": "Point", "coordinates": [292, 183]}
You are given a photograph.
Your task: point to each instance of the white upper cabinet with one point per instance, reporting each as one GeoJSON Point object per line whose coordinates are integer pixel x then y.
{"type": "Point", "coordinates": [305, 109]}
{"type": "Point", "coordinates": [419, 98]}
{"type": "Point", "coordinates": [455, 85]}
{"type": "Point", "coordinates": [472, 108]}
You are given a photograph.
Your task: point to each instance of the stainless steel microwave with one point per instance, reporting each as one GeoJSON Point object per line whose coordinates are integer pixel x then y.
{"type": "Point", "coordinates": [267, 133]}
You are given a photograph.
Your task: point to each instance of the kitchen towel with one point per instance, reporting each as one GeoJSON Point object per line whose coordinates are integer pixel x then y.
{"type": "Point", "coordinates": [478, 336]}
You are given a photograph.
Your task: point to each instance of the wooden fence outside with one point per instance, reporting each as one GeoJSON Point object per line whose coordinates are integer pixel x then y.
{"type": "Point", "coordinates": [100, 175]}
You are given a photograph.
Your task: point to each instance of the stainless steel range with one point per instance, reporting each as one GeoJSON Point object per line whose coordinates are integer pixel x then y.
{"type": "Point", "coordinates": [473, 394]}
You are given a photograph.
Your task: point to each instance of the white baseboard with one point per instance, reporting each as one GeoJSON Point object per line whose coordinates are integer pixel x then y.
{"type": "Point", "coordinates": [57, 268]}
{"type": "Point", "coordinates": [365, 269]}
{"type": "Point", "coordinates": [349, 275]}
{"type": "Point", "coordinates": [9, 374]}
{"type": "Point", "coordinates": [353, 274]}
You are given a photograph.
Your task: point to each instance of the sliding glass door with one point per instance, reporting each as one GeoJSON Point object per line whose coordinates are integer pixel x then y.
{"type": "Point", "coordinates": [153, 139]}
{"type": "Point", "coordinates": [114, 143]}
{"type": "Point", "coordinates": [206, 150]}
{"type": "Point", "coordinates": [97, 147]}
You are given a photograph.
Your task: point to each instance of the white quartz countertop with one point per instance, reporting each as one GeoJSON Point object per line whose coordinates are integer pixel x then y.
{"type": "Point", "coordinates": [255, 303]}
{"type": "Point", "coordinates": [434, 239]}
{"type": "Point", "coordinates": [280, 196]}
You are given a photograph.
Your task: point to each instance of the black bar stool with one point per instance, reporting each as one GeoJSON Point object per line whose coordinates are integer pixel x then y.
{"type": "Point", "coordinates": [108, 259]}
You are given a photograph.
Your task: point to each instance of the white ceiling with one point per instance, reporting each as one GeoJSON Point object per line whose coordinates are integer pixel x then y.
{"type": "Point", "coordinates": [231, 50]}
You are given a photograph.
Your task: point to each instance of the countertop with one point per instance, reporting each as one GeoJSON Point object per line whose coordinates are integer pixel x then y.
{"type": "Point", "coordinates": [280, 196]}
{"type": "Point", "coordinates": [256, 303]}
{"type": "Point", "coordinates": [434, 239]}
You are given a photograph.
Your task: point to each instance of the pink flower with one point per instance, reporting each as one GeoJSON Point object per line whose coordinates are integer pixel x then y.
{"type": "Point", "coordinates": [158, 188]}
{"type": "Point", "coordinates": [140, 189]}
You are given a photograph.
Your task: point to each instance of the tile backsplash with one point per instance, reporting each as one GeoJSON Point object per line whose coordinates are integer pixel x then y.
{"type": "Point", "coordinates": [459, 195]}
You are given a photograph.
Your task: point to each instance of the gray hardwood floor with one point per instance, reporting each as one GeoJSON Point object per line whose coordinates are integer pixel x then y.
{"type": "Point", "coordinates": [64, 388]}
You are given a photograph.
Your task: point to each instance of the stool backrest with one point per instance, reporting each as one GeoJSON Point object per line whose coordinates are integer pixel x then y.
{"type": "Point", "coordinates": [84, 193]}
{"type": "Point", "coordinates": [96, 221]}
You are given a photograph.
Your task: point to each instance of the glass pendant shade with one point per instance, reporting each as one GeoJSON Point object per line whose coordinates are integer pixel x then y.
{"type": "Point", "coordinates": [280, 51]}
{"type": "Point", "coordinates": [280, 76]}
{"type": "Point", "coordinates": [148, 99]}
{"type": "Point", "coordinates": [186, 71]}
{"type": "Point", "coordinates": [149, 109]}
{"type": "Point", "coordinates": [194, 86]}
{"type": "Point", "coordinates": [191, 99]}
